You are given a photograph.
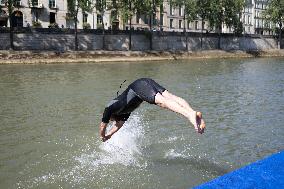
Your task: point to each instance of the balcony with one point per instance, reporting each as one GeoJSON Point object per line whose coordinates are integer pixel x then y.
{"type": "Point", "coordinates": [36, 4]}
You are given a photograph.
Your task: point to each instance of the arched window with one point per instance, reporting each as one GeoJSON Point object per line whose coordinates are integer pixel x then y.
{"type": "Point", "coordinates": [17, 19]}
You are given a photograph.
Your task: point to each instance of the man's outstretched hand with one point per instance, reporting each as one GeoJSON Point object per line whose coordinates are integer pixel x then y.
{"type": "Point", "coordinates": [105, 138]}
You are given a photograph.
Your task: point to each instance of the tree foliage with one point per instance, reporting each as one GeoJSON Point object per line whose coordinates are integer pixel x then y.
{"type": "Point", "coordinates": [216, 12]}
{"type": "Point", "coordinates": [10, 6]}
{"type": "Point", "coordinates": [226, 12]}
{"type": "Point", "coordinates": [73, 7]}
{"type": "Point", "coordinates": [275, 12]}
{"type": "Point", "coordinates": [101, 7]}
{"type": "Point", "coordinates": [128, 8]}
{"type": "Point", "coordinates": [190, 8]}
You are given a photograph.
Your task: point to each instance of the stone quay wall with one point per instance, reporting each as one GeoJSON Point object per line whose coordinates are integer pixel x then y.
{"type": "Point", "coordinates": [63, 40]}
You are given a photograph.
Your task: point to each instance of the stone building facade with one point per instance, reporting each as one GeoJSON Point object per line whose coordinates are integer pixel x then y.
{"type": "Point", "coordinates": [167, 18]}
{"type": "Point", "coordinates": [46, 13]}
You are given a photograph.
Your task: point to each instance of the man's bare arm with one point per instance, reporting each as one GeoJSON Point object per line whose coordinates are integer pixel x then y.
{"type": "Point", "coordinates": [115, 128]}
{"type": "Point", "coordinates": [103, 131]}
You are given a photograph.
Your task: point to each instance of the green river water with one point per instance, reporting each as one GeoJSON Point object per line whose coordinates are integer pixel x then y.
{"type": "Point", "coordinates": [50, 114]}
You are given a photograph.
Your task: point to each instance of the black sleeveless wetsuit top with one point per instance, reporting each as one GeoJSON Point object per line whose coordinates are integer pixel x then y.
{"type": "Point", "coordinates": [120, 108]}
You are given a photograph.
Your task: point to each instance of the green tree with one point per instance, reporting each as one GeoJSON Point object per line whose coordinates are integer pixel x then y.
{"type": "Point", "coordinates": [73, 7]}
{"type": "Point", "coordinates": [127, 8]}
{"type": "Point", "coordinates": [275, 14]}
{"type": "Point", "coordinates": [226, 12]}
{"type": "Point", "coordinates": [114, 13]}
{"type": "Point", "coordinates": [233, 14]}
{"type": "Point", "coordinates": [149, 7]}
{"type": "Point", "coordinates": [202, 10]}
{"type": "Point", "coordinates": [190, 12]}
{"type": "Point", "coordinates": [101, 7]}
{"type": "Point", "coordinates": [9, 4]}
{"type": "Point", "coordinates": [190, 9]}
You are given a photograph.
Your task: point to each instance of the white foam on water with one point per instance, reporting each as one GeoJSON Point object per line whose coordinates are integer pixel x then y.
{"type": "Point", "coordinates": [124, 147]}
{"type": "Point", "coordinates": [172, 139]}
{"type": "Point", "coordinates": [172, 154]}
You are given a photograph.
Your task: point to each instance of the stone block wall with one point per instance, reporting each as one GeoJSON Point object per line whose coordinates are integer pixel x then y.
{"type": "Point", "coordinates": [4, 41]}
{"type": "Point", "coordinates": [116, 42]}
{"type": "Point", "coordinates": [169, 43]}
{"type": "Point", "coordinates": [38, 41]}
{"type": "Point", "coordinates": [89, 42]}
{"type": "Point", "coordinates": [92, 40]}
{"type": "Point", "coordinates": [140, 43]}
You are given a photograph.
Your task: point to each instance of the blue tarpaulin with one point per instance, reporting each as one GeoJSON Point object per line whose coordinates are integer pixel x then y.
{"type": "Point", "coordinates": [265, 173]}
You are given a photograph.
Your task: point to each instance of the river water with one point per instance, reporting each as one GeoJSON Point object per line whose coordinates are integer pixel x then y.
{"type": "Point", "coordinates": [49, 118]}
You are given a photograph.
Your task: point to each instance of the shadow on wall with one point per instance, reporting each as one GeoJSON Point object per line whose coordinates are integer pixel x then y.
{"type": "Point", "coordinates": [252, 44]}
{"type": "Point", "coordinates": [90, 42]}
{"type": "Point", "coordinates": [38, 41]}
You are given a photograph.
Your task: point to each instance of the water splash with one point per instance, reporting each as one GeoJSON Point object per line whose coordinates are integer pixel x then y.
{"type": "Point", "coordinates": [123, 148]}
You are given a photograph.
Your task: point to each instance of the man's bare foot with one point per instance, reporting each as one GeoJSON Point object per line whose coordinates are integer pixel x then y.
{"type": "Point", "coordinates": [200, 123]}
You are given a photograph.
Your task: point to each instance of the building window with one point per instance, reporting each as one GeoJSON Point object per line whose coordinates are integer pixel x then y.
{"type": "Point", "coordinates": [180, 11]}
{"type": "Point", "coordinates": [99, 19]}
{"type": "Point", "coordinates": [249, 21]}
{"type": "Point", "coordinates": [180, 24]}
{"type": "Point", "coordinates": [52, 4]}
{"type": "Point", "coordinates": [161, 8]}
{"type": "Point", "coordinates": [137, 18]}
{"type": "Point", "coordinates": [35, 15]}
{"type": "Point", "coordinates": [154, 19]}
{"type": "Point", "coordinates": [196, 25]}
{"type": "Point", "coordinates": [34, 3]}
{"type": "Point", "coordinates": [171, 23]}
{"type": "Point", "coordinates": [161, 19]}
{"type": "Point", "coordinates": [85, 18]}
{"type": "Point", "coordinates": [171, 9]}
{"type": "Point", "coordinates": [17, 3]}
{"type": "Point", "coordinates": [146, 20]}
{"type": "Point", "coordinates": [52, 17]}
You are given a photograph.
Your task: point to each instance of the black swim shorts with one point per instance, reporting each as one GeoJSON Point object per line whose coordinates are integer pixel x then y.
{"type": "Point", "coordinates": [146, 89]}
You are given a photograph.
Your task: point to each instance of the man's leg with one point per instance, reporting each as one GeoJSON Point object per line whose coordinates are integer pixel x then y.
{"type": "Point", "coordinates": [179, 100]}
{"type": "Point", "coordinates": [198, 119]}
{"type": "Point", "coordinates": [180, 106]}
{"type": "Point", "coordinates": [170, 104]}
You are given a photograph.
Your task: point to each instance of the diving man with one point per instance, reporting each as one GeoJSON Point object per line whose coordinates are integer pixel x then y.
{"type": "Point", "coordinates": [146, 89]}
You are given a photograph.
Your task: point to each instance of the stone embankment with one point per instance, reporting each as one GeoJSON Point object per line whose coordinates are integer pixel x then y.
{"type": "Point", "coordinates": [47, 57]}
